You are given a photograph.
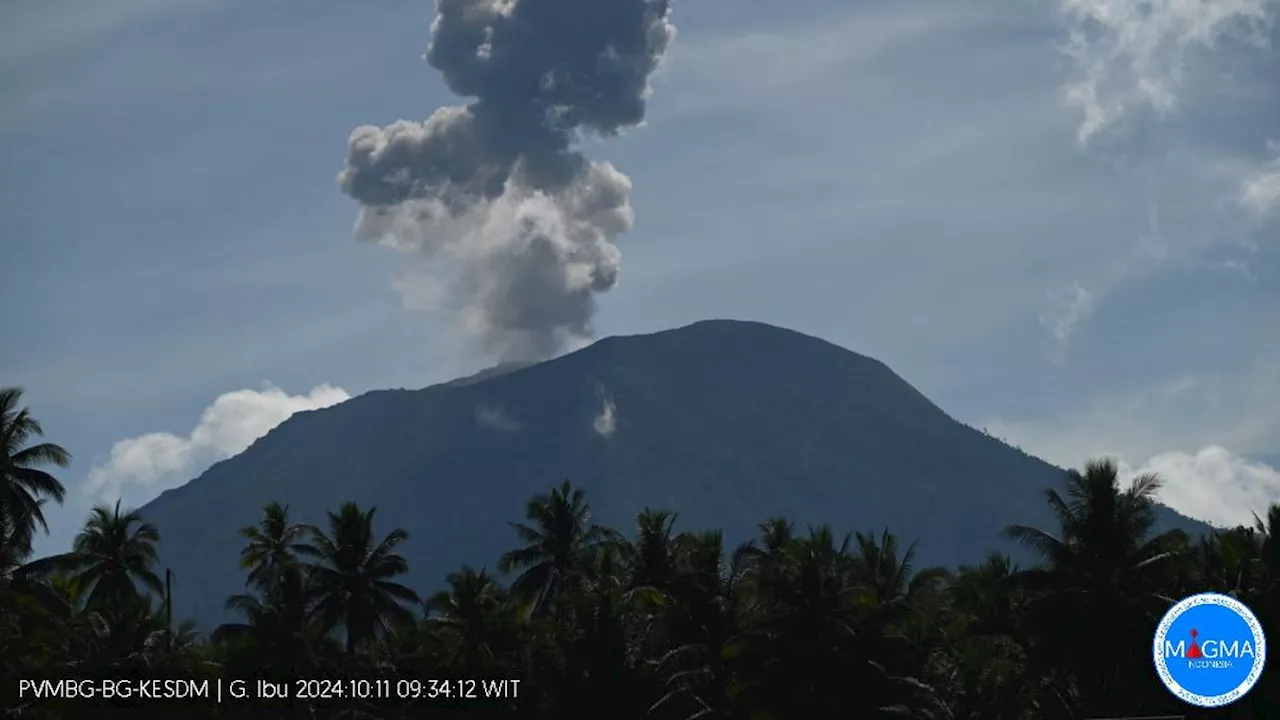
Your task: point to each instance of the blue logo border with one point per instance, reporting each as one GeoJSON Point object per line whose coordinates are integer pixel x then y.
{"type": "Point", "coordinates": [1259, 642]}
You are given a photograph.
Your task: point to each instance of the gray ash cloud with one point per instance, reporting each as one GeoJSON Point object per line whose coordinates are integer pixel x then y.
{"type": "Point", "coordinates": [517, 226]}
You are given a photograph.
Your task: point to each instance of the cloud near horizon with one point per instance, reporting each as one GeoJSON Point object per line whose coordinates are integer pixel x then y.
{"type": "Point", "coordinates": [1205, 436]}
{"type": "Point", "coordinates": [151, 463]}
{"type": "Point", "coordinates": [1214, 484]}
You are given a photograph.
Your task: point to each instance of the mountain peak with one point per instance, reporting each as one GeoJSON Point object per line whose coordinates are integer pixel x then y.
{"type": "Point", "coordinates": [726, 421]}
{"type": "Point", "coordinates": [498, 370]}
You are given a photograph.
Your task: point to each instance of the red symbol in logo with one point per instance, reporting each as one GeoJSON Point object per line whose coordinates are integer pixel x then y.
{"type": "Point", "coordinates": [1193, 652]}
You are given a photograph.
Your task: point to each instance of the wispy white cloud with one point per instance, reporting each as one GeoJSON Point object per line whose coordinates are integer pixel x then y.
{"type": "Point", "coordinates": [1073, 310]}
{"type": "Point", "coordinates": [29, 31]}
{"type": "Point", "coordinates": [1154, 56]}
{"type": "Point", "coordinates": [1260, 191]}
{"type": "Point", "coordinates": [726, 70]}
{"type": "Point", "coordinates": [1240, 411]}
{"type": "Point", "coordinates": [992, 114]}
{"type": "Point", "coordinates": [1136, 54]}
{"type": "Point", "coordinates": [1078, 304]}
{"type": "Point", "coordinates": [145, 465]}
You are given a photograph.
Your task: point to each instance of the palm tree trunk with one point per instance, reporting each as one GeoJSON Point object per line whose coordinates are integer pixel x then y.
{"type": "Point", "coordinates": [168, 602]}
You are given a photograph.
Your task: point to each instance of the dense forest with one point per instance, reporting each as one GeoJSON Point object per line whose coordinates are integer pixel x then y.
{"type": "Point", "coordinates": [594, 622]}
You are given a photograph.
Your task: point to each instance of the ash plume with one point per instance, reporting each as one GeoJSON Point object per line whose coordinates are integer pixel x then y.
{"type": "Point", "coordinates": [514, 223]}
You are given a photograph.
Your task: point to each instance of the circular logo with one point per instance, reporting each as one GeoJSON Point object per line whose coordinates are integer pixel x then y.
{"type": "Point", "coordinates": [1210, 650]}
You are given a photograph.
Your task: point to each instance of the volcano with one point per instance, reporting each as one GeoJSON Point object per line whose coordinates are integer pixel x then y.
{"type": "Point", "coordinates": [727, 423]}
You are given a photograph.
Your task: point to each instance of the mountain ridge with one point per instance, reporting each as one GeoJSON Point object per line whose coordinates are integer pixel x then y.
{"type": "Point", "coordinates": [725, 422]}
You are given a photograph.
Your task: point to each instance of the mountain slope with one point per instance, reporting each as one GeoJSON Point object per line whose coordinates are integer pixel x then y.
{"type": "Point", "coordinates": [726, 422]}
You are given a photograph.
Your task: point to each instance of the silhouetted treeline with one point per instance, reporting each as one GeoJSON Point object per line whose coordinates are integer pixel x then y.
{"type": "Point", "coordinates": [650, 622]}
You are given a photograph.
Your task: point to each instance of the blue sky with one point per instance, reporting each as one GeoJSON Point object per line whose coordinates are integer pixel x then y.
{"type": "Point", "coordinates": [1058, 219]}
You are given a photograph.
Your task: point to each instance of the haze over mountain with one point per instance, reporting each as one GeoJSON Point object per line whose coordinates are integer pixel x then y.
{"type": "Point", "coordinates": [726, 422]}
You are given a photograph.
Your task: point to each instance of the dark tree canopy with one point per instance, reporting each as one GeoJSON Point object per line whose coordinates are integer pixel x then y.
{"type": "Point", "coordinates": [662, 622]}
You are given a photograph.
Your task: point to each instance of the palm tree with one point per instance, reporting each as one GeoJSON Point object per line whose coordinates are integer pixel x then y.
{"type": "Point", "coordinates": [111, 557]}
{"type": "Point", "coordinates": [274, 634]}
{"type": "Point", "coordinates": [1104, 530]}
{"type": "Point", "coordinates": [988, 594]}
{"type": "Point", "coordinates": [471, 619]}
{"type": "Point", "coordinates": [1268, 529]}
{"type": "Point", "coordinates": [802, 630]}
{"type": "Point", "coordinates": [352, 578]}
{"type": "Point", "coordinates": [14, 549]}
{"type": "Point", "coordinates": [114, 635]}
{"type": "Point", "coordinates": [697, 664]}
{"type": "Point", "coordinates": [1230, 561]}
{"type": "Point", "coordinates": [274, 544]}
{"type": "Point", "coordinates": [23, 486]}
{"type": "Point", "coordinates": [1105, 571]}
{"type": "Point", "coordinates": [176, 651]}
{"type": "Point", "coordinates": [889, 585]}
{"type": "Point", "coordinates": [654, 555]}
{"type": "Point", "coordinates": [557, 543]}
{"type": "Point", "coordinates": [1267, 601]}
{"type": "Point", "coordinates": [812, 636]}
{"type": "Point", "coordinates": [607, 646]}
{"type": "Point", "coordinates": [981, 661]}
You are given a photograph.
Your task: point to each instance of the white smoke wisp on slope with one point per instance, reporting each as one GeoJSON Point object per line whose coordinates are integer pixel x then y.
{"type": "Point", "coordinates": [606, 421]}
{"type": "Point", "coordinates": [515, 224]}
{"type": "Point", "coordinates": [495, 418]}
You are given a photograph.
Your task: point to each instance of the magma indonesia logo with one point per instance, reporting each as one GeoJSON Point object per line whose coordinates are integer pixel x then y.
{"type": "Point", "coordinates": [1210, 650]}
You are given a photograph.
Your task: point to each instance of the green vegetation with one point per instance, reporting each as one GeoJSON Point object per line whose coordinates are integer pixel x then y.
{"type": "Point", "coordinates": [652, 623]}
